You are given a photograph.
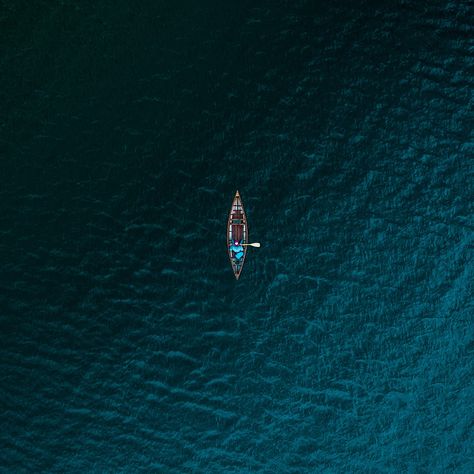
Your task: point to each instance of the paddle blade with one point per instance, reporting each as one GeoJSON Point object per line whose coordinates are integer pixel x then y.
{"type": "Point", "coordinates": [256, 244]}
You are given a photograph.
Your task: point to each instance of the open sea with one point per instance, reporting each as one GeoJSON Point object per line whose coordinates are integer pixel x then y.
{"type": "Point", "coordinates": [347, 344]}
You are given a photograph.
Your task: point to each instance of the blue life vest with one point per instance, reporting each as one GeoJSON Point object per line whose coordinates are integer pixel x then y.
{"type": "Point", "coordinates": [238, 250]}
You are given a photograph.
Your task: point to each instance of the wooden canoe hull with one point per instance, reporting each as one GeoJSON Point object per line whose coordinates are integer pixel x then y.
{"type": "Point", "coordinates": [237, 230]}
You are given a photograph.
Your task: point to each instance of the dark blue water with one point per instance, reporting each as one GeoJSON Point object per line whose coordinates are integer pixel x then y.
{"type": "Point", "coordinates": [347, 345]}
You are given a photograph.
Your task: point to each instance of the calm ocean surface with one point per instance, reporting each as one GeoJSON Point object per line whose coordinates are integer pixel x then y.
{"type": "Point", "coordinates": [126, 344]}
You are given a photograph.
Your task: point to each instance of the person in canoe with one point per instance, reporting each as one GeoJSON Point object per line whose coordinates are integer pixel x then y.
{"type": "Point", "coordinates": [238, 249]}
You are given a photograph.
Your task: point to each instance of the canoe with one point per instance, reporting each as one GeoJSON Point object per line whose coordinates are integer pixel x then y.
{"type": "Point", "coordinates": [237, 230]}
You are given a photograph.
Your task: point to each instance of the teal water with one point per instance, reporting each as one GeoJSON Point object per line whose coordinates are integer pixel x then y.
{"type": "Point", "coordinates": [347, 345]}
